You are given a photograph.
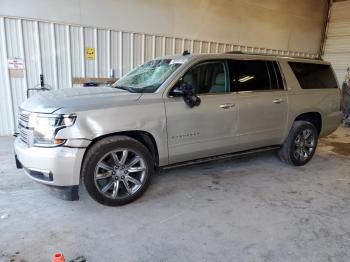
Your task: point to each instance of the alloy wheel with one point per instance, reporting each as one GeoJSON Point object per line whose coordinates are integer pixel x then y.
{"type": "Point", "coordinates": [120, 173]}
{"type": "Point", "coordinates": [304, 144]}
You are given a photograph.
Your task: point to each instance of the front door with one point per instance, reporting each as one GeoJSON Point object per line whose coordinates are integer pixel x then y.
{"type": "Point", "coordinates": [208, 129]}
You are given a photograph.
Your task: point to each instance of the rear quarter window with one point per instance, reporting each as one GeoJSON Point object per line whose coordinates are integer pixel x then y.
{"type": "Point", "coordinates": [314, 76]}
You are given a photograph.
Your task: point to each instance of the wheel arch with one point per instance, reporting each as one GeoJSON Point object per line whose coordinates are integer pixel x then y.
{"type": "Point", "coordinates": [145, 138]}
{"type": "Point", "coordinates": [314, 118]}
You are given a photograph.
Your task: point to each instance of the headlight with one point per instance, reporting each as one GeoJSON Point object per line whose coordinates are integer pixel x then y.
{"type": "Point", "coordinates": [45, 128]}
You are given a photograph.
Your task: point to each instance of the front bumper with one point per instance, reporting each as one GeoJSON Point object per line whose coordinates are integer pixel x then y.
{"type": "Point", "coordinates": [57, 166]}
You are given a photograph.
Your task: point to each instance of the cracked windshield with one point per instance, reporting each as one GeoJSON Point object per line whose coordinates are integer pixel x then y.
{"type": "Point", "coordinates": [148, 77]}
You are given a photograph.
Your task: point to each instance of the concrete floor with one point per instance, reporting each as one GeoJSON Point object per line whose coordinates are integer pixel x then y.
{"type": "Point", "coordinates": [252, 209]}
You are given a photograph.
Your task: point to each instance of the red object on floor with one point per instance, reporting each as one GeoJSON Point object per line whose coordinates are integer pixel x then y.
{"type": "Point", "coordinates": [58, 257]}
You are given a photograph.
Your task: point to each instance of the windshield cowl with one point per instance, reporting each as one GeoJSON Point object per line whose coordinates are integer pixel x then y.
{"type": "Point", "coordinates": [126, 88]}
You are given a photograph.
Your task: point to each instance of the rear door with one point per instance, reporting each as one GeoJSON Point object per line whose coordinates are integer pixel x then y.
{"type": "Point", "coordinates": [262, 102]}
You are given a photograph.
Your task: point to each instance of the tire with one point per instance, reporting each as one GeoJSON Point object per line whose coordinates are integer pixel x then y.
{"type": "Point", "coordinates": [117, 170]}
{"type": "Point", "coordinates": [297, 150]}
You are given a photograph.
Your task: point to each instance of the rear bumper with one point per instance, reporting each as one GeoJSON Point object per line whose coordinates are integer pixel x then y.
{"type": "Point", "coordinates": [331, 122]}
{"type": "Point", "coordinates": [58, 166]}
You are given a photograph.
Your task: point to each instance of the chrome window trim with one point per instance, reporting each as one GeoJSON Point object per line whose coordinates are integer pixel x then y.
{"type": "Point", "coordinates": [261, 91]}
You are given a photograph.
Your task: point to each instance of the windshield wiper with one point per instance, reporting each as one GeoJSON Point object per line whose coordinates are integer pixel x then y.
{"type": "Point", "coordinates": [129, 89]}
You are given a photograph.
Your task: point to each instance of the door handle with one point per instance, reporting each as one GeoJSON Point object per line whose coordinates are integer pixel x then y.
{"type": "Point", "coordinates": [227, 106]}
{"type": "Point", "coordinates": [277, 101]}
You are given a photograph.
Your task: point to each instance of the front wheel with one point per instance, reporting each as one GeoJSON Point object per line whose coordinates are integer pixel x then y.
{"type": "Point", "coordinates": [117, 170]}
{"type": "Point", "coordinates": [300, 145]}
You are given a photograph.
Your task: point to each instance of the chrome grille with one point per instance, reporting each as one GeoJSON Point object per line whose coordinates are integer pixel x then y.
{"type": "Point", "coordinates": [23, 135]}
{"type": "Point", "coordinates": [23, 129]}
{"type": "Point", "coordinates": [24, 117]}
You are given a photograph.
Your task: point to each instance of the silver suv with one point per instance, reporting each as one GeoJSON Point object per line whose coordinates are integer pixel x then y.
{"type": "Point", "coordinates": [175, 110]}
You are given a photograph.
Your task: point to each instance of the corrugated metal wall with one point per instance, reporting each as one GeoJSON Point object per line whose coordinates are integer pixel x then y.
{"type": "Point", "coordinates": [337, 45]}
{"type": "Point", "coordinates": [58, 51]}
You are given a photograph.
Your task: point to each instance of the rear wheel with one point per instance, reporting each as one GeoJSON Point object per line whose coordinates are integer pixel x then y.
{"type": "Point", "coordinates": [300, 145]}
{"type": "Point", "coordinates": [117, 170]}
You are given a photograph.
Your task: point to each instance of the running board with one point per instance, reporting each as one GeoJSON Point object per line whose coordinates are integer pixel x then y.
{"type": "Point", "coordinates": [220, 157]}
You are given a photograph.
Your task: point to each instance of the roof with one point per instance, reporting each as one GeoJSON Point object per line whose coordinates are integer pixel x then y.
{"type": "Point", "coordinates": [244, 56]}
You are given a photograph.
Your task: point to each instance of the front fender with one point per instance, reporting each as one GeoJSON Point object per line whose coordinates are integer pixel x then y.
{"type": "Point", "coordinates": [148, 116]}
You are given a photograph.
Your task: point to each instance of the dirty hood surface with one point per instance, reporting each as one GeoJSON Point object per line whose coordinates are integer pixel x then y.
{"type": "Point", "coordinates": [78, 98]}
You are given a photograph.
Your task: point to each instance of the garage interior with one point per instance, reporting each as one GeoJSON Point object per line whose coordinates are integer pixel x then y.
{"type": "Point", "coordinates": [249, 209]}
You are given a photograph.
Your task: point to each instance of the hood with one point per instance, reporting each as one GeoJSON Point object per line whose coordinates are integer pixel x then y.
{"type": "Point", "coordinates": [78, 99]}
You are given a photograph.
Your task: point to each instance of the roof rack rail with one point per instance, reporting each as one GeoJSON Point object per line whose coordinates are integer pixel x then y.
{"type": "Point", "coordinates": [266, 54]}
{"type": "Point", "coordinates": [235, 52]}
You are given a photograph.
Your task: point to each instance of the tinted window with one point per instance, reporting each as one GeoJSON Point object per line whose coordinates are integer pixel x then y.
{"type": "Point", "coordinates": [275, 75]}
{"type": "Point", "coordinates": [249, 75]}
{"type": "Point", "coordinates": [208, 77]}
{"type": "Point", "coordinates": [313, 76]}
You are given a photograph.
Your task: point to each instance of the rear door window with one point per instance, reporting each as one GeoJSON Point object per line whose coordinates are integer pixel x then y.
{"type": "Point", "coordinates": [314, 76]}
{"type": "Point", "coordinates": [254, 75]}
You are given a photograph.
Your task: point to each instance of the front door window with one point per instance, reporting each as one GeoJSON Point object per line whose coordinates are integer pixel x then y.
{"type": "Point", "coordinates": [207, 78]}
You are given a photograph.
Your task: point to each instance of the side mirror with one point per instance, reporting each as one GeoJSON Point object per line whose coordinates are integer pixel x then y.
{"type": "Point", "coordinates": [187, 92]}
{"type": "Point", "coordinates": [192, 100]}
{"type": "Point", "coordinates": [182, 89]}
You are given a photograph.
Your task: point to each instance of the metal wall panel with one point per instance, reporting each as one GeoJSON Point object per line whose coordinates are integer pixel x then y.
{"type": "Point", "coordinates": [89, 42]}
{"type": "Point", "coordinates": [168, 45]}
{"type": "Point", "coordinates": [31, 52]}
{"type": "Point", "coordinates": [149, 48]}
{"type": "Point", "coordinates": [136, 51]}
{"type": "Point", "coordinates": [178, 45]}
{"type": "Point", "coordinates": [205, 47]}
{"type": "Point", "coordinates": [337, 45]}
{"type": "Point", "coordinates": [126, 52]}
{"type": "Point", "coordinates": [6, 106]}
{"type": "Point", "coordinates": [58, 51]}
{"type": "Point", "coordinates": [48, 53]}
{"type": "Point", "coordinates": [158, 46]}
{"type": "Point", "coordinates": [116, 57]}
{"type": "Point", "coordinates": [196, 46]}
{"type": "Point", "coordinates": [103, 52]}
{"type": "Point", "coordinates": [15, 49]}
{"type": "Point", "coordinates": [187, 45]}
{"type": "Point", "coordinates": [62, 45]}
{"type": "Point", "coordinates": [77, 51]}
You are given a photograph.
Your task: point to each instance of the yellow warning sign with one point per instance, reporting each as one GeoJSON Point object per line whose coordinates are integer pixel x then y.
{"type": "Point", "coordinates": [90, 53]}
